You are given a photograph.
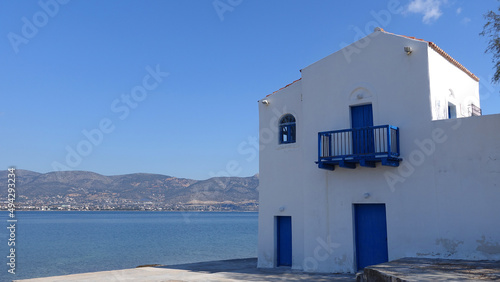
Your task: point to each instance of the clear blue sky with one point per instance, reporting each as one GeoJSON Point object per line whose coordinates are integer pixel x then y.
{"type": "Point", "coordinates": [69, 67]}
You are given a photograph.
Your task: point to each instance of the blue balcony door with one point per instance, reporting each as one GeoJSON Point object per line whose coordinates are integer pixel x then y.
{"type": "Point", "coordinates": [370, 234]}
{"type": "Point", "coordinates": [284, 240]}
{"type": "Point", "coordinates": [362, 139]}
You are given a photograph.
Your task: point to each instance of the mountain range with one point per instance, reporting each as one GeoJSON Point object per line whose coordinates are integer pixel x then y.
{"type": "Point", "coordinates": [84, 190]}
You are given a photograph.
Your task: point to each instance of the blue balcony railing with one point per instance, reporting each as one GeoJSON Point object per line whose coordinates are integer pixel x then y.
{"type": "Point", "coordinates": [364, 146]}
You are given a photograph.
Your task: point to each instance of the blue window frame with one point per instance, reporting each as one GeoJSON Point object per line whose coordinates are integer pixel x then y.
{"type": "Point", "coordinates": [287, 129]}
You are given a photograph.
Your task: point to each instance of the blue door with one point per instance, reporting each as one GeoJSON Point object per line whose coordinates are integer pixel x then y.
{"type": "Point", "coordinates": [284, 238]}
{"type": "Point", "coordinates": [370, 234]}
{"type": "Point", "coordinates": [362, 138]}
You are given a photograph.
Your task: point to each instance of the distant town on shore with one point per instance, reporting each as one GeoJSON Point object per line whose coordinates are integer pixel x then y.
{"type": "Point", "coordinates": [83, 190]}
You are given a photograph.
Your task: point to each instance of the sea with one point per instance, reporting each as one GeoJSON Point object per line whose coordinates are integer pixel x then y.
{"type": "Point", "coordinates": [49, 243]}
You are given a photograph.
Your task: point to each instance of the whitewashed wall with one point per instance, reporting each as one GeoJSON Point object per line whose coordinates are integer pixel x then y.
{"type": "Point", "coordinates": [280, 175]}
{"type": "Point", "coordinates": [449, 84]}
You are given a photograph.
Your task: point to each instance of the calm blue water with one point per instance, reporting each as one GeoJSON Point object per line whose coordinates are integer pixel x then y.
{"type": "Point", "coordinates": [58, 243]}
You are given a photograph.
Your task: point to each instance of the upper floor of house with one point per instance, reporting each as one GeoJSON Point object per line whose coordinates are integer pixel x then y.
{"type": "Point", "coordinates": [382, 83]}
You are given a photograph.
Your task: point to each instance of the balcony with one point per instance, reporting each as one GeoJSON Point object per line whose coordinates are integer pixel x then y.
{"type": "Point", "coordinates": [364, 146]}
{"type": "Point", "coordinates": [474, 110]}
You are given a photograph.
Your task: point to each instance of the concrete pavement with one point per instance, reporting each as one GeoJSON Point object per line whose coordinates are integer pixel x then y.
{"type": "Point", "coordinates": [226, 270]}
{"type": "Point", "coordinates": [405, 269]}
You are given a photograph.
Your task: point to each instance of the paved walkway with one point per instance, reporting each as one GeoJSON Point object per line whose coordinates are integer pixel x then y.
{"type": "Point", "coordinates": [406, 269]}
{"type": "Point", "coordinates": [225, 270]}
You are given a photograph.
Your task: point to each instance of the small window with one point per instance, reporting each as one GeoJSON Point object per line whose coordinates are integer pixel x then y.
{"type": "Point", "coordinates": [452, 111]}
{"type": "Point", "coordinates": [287, 129]}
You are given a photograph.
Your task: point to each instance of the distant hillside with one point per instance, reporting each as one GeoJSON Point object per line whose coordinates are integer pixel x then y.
{"type": "Point", "coordinates": [82, 190]}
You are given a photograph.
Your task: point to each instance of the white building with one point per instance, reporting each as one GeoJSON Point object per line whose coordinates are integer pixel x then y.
{"type": "Point", "coordinates": [378, 152]}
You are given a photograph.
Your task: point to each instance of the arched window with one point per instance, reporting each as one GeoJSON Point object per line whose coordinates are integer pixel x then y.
{"type": "Point", "coordinates": [287, 129]}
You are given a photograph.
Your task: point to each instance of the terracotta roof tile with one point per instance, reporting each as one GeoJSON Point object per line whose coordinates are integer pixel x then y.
{"type": "Point", "coordinates": [453, 61]}
{"type": "Point", "coordinates": [443, 54]}
{"type": "Point", "coordinates": [284, 87]}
